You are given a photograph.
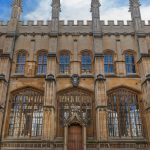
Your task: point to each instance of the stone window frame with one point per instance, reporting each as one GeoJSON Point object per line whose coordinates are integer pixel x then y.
{"type": "Point", "coordinates": [44, 52]}
{"type": "Point", "coordinates": [140, 106]}
{"type": "Point", "coordinates": [39, 99]}
{"type": "Point", "coordinates": [26, 59]}
{"type": "Point", "coordinates": [86, 72]}
{"type": "Point", "coordinates": [134, 53]}
{"type": "Point", "coordinates": [66, 69]}
{"type": "Point", "coordinates": [113, 54]}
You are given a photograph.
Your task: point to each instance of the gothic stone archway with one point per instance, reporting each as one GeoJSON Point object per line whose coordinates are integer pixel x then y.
{"type": "Point", "coordinates": [75, 107]}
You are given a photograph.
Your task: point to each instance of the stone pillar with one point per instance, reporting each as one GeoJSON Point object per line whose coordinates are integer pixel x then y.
{"type": "Point", "coordinates": [84, 138]}
{"type": "Point", "coordinates": [65, 137]}
{"type": "Point", "coordinates": [120, 64]}
{"type": "Point", "coordinates": [4, 78]}
{"type": "Point", "coordinates": [49, 109]}
{"type": "Point", "coordinates": [1, 117]}
{"type": "Point", "coordinates": [146, 101]}
{"type": "Point", "coordinates": [101, 108]}
{"type": "Point", "coordinates": [75, 64]}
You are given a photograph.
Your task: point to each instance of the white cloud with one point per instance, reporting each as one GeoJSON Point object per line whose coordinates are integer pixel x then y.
{"type": "Point", "coordinates": [80, 10]}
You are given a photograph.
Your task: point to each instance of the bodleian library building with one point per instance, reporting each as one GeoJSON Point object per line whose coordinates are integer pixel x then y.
{"type": "Point", "coordinates": [75, 86]}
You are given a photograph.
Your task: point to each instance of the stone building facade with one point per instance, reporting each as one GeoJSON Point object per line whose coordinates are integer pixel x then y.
{"type": "Point", "coordinates": [75, 86]}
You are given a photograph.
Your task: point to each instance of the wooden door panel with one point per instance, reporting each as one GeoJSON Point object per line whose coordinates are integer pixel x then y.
{"type": "Point", "coordinates": [75, 138]}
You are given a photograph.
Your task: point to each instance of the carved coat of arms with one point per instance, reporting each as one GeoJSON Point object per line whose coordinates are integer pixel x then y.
{"type": "Point", "coordinates": [75, 80]}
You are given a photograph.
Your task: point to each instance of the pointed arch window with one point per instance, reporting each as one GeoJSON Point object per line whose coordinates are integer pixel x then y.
{"type": "Point", "coordinates": [21, 61]}
{"type": "Point", "coordinates": [124, 117]}
{"type": "Point", "coordinates": [130, 63]}
{"type": "Point", "coordinates": [108, 64]}
{"type": "Point", "coordinates": [42, 63]}
{"type": "Point", "coordinates": [64, 63]}
{"type": "Point", "coordinates": [86, 63]}
{"type": "Point", "coordinates": [26, 114]}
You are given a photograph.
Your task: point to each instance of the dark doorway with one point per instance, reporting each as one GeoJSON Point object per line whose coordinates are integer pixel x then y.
{"type": "Point", "coordinates": [75, 137]}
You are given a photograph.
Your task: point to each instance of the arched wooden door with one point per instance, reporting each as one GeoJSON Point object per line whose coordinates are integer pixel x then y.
{"type": "Point", "coordinates": [75, 137]}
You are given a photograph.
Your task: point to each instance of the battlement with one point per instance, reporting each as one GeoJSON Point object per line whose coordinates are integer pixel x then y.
{"type": "Point", "coordinates": [76, 23]}
{"type": "Point", "coordinates": [3, 23]}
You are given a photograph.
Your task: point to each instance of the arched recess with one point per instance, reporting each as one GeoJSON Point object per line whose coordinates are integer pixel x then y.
{"type": "Point", "coordinates": [75, 106]}
{"type": "Point", "coordinates": [25, 113]}
{"type": "Point", "coordinates": [125, 113]}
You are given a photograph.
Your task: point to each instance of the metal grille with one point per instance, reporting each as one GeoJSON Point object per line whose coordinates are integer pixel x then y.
{"type": "Point", "coordinates": [124, 119]}
{"type": "Point", "coordinates": [75, 106]}
{"type": "Point", "coordinates": [26, 115]}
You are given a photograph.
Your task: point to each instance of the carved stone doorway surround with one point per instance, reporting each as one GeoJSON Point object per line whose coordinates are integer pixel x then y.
{"type": "Point", "coordinates": [66, 137]}
{"type": "Point", "coordinates": [75, 108]}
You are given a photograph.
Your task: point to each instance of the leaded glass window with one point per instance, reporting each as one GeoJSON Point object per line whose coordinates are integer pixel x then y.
{"type": "Point", "coordinates": [86, 63]}
{"type": "Point", "coordinates": [64, 63]}
{"type": "Point", "coordinates": [124, 118]}
{"type": "Point", "coordinates": [26, 114]}
{"type": "Point", "coordinates": [108, 64]}
{"type": "Point", "coordinates": [42, 63]}
{"type": "Point", "coordinates": [20, 65]}
{"type": "Point", "coordinates": [130, 63]}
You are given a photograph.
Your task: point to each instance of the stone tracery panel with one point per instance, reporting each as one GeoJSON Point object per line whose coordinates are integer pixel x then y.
{"type": "Point", "coordinates": [75, 106]}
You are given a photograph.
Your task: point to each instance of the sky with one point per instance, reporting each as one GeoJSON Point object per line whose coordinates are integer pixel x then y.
{"type": "Point", "coordinates": [74, 10]}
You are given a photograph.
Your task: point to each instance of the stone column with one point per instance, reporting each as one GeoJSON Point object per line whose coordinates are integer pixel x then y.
{"type": "Point", "coordinates": [101, 108]}
{"type": "Point", "coordinates": [120, 64]}
{"type": "Point", "coordinates": [49, 123]}
{"type": "Point", "coordinates": [49, 109]}
{"type": "Point", "coordinates": [65, 137]}
{"type": "Point", "coordinates": [146, 101]}
{"type": "Point", "coordinates": [84, 137]}
{"type": "Point", "coordinates": [4, 78]}
{"type": "Point", "coordinates": [75, 64]}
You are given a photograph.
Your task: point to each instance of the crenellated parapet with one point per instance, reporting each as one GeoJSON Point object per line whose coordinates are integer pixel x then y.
{"type": "Point", "coordinates": [80, 26]}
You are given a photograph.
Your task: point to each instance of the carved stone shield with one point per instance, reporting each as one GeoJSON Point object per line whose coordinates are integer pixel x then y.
{"type": "Point", "coordinates": [75, 80]}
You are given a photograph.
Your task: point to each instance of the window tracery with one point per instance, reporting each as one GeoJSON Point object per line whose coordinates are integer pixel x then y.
{"type": "Point", "coordinates": [64, 63]}
{"type": "Point", "coordinates": [130, 63]}
{"type": "Point", "coordinates": [124, 118]}
{"type": "Point", "coordinates": [20, 64]}
{"type": "Point", "coordinates": [42, 63]}
{"type": "Point", "coordinates": [86, 63]}
{"type": "Point", "coordinates": [108, 64]}
{"type": "Point", "coordinates": [75, 106]}
{"type": "Point", "coordinates": [26, 114]}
